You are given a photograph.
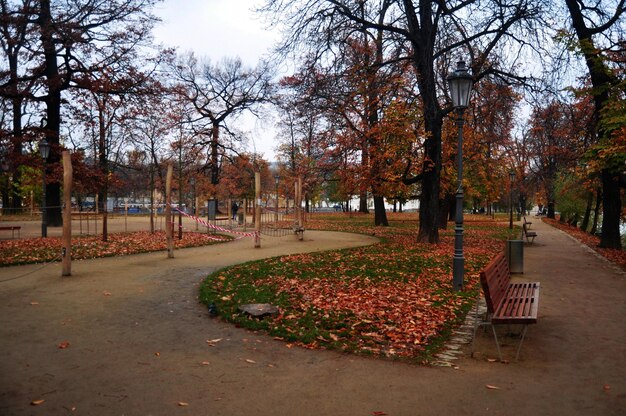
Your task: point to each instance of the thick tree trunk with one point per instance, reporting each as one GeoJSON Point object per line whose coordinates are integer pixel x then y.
{"type": "Point", "coordinates": [53, 112]}
{"type": "Point", "coordinates": [16, 102]}
{"type": "Point", "coordinates": [103, 194]}
{"type": "Point", "coordinates": [612, 209]}
{"type": "Point", "coordinates": [380, 215]}
{"type": "Point", "coordinates": [363, 202]}
{"type": "Point", "coordinates": [429, 198]}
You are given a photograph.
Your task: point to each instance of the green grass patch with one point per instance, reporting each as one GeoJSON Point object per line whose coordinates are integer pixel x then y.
{"type": "Point", "coordinates": [391, 299]}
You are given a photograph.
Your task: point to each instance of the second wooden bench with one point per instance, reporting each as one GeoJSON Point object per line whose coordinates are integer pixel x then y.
{"type": "Point", "coordinates": [507, 302]}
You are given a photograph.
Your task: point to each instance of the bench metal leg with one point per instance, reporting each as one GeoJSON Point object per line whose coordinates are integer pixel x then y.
{"type": "Point", "coordinates": [495, 337]}
{"type": "Point", "coordinates": [519, 347]}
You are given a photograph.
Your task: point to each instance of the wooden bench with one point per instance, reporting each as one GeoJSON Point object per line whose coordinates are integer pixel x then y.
{"type": "Point", "coordinates": [527, 223]}
{"type": "Point", "coordinates": [507, 303]}
{"type": "Point", "coordinates": [530, 235]}
{"type": "Point", "coordinates": [13, 229]}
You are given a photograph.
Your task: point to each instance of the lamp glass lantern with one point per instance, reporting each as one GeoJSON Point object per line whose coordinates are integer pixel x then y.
{"type": "Point", "coordinates": [44, 149]}
{"type": "Point", "coordinates": [460, 82]}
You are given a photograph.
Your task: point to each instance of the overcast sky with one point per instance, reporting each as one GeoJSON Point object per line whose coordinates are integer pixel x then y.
{"type": "Point", "coordinates": [216, 29]}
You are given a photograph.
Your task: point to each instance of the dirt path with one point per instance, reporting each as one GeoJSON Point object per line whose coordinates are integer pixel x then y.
{"type": "Point", "coordinates": [138, 345]}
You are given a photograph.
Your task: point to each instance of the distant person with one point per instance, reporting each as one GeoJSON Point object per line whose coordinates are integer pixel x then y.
{"type": "Point", "coordinates": [234, 208]}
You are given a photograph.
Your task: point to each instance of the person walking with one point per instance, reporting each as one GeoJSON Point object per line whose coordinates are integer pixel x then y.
{"type": "Point", "coordinates": [234, 208]}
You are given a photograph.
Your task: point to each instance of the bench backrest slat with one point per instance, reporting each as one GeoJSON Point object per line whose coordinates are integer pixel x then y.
{"type": "Point", "coordinates": [494, 280]}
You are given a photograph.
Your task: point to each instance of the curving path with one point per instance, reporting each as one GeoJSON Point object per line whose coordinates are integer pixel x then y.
{"type": "Point", "coordinates": [138, 345]}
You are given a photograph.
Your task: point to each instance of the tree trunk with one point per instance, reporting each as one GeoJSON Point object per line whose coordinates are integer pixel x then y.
{"type": "Point", "coordinates": [380, 215]}
{"type": "Point", "coordinates": [363, 203]}
{"type": "Point", "coordinates": [103, 194]}
{"type": "Point", "coordinates": [596, 212]}
{"type": "Point", "coordinates": [214, 154]}
{"type": "Point", "coordinates": [16, 102]}
{"type": "Point", "coordinates": [429, 198]}
{"type": "Point", "coordinates": [584, 225]}
{"type": "Point", "coordinates": [53, 112]}
{"type": "Point", "coordinates": [612, 209]}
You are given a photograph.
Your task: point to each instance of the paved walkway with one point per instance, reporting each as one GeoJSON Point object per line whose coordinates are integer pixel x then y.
{"type": "Point", "coordinates": [138, 345]}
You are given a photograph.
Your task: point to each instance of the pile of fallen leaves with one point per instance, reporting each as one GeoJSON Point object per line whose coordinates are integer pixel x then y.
{"type": "Point", "coordinates": [38, 250]}
{"type": "Point", "coordinates": [617, 256]}
{"type": "Point", "coordinates": [393, 298]}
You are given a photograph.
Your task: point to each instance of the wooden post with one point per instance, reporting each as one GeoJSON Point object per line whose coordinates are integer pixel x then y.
{"type": "Point", "coordinates": [168, 212]}
{"type": "Point", "coordinates": [230, 213]}
{"type": "Point", "coordinates": [197, 200]}
{"type": "Point", "coordinates": [67, 215]}
{"type": "Point", "coordinates": [257, 211]}
{"type": "Point", "coordinates": [299, 229]}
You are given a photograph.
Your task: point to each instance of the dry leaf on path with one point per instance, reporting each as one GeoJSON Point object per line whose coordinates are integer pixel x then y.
{"type": "Point", "coordinates": [490, 387]}
{"type": "Point", "coordinates": [105, 293]}
{"type": "Point", "coordinates": [183, 404]}
{"type": "Point", "coordinates": [212, 342]}
{"type": "Point", "coordinates": [250, 361]}
{"type": "Point", "coordinates": [158, 354]}
{"type": "Point", "coordinates": [64, 345]}
{"type": "Point", "coordinates": [34, 303]}
{"type": "Point", "coordinates": [205, 363]}
{"type": "Point", "coordinates": [37, 402]}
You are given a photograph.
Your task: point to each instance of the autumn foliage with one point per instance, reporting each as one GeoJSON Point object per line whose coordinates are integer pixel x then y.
{"type": "Point", "coordinates": [38, 250]}
{"type": "Point", "coordinates": [393, 299]}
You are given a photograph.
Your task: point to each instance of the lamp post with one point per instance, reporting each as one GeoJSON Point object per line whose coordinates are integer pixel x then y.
{"type": "Point", "coordinates": [511, 179]}
{"type": "Point", "coordinates": [276, 179]}
{"type": "Point", "coordinates": [460, 84]}
{"type": "Point", "coordinates": [44, 150]}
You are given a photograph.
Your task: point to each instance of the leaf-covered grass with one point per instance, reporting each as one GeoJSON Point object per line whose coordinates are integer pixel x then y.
{"type": "Point", "coordinates": [393, 298]}
{"type": "Point", "coordinates": [38, 250]}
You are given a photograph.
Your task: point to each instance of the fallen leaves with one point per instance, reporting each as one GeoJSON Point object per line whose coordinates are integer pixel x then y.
{"type": "Point", "coordinates": [38, 250]}
{"type": "Point", "coordinates": [492, 387]}
{"type": "Point", "coordinates": [63, 345]}
{"type": "Point", "coordinates": [183, 404]}
{"type": "Point", "coordinates": [250, 361]}
{"type": "Point", "coordinates": [213, 342]}
{"type": "Point", "coordinates": [37, 402]}
{"type": "Point", "coordinates": [393, 298]}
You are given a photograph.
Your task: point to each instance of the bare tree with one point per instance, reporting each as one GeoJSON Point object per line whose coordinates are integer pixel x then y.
{"type": "Point", "coordinates": [431, 33]}
{"type": "Point", "coordinates": [216, 94]}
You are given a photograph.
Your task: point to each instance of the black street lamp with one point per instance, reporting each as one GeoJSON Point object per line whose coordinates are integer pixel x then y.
{"type": "Point", "coordinates": [460, 83]}
{"type": "Point", "coordinates": [276, 179]}
{"type": "Point", "coordinates": [44, 150]}
{"type": "Point", "coordinates": [511, 179]}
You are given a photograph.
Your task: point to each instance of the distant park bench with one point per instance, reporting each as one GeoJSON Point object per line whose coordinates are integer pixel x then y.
{"type": "Point", "coordinates": [528, 223]}
{"type": "Point", "coordinates": [507, 303]}
{"type": "Point", "coordinates": [13, 229]}
{"type": "Point", "coordinates": [530, 235]}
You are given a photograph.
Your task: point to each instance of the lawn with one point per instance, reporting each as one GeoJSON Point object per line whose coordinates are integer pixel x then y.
{"type": "Point", "coordinates": [391, 299]}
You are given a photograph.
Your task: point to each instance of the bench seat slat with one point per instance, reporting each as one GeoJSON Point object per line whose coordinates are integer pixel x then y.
{"type": "Point", "coordinates": [519, 305]}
